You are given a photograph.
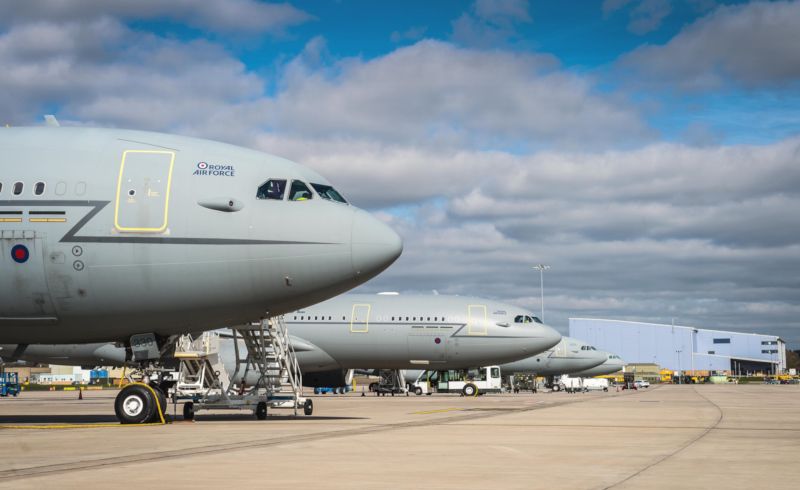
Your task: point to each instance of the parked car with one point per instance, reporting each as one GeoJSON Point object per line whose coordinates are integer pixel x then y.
{"type": "Point", "coordinates": [641, 383]}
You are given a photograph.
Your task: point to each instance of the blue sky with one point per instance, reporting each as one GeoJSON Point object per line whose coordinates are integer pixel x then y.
{"type": "Point", "coordinates": [646, 149]}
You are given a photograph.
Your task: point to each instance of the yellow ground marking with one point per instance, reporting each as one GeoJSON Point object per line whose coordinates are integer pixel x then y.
{"type": "Point", "coordinates": [97, 426]}
{"type": "Point", "coordinates": [440, 410]}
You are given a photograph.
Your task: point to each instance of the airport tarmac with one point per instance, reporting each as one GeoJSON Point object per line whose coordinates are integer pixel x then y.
{"type": "Point", "coordinates": [705, 436]}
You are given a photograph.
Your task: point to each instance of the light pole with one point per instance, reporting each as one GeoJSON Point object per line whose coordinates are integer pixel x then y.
{"type": "Point", "coordinates": [680, 372]}
{"type": "Point", "coordinates": [541, 268]}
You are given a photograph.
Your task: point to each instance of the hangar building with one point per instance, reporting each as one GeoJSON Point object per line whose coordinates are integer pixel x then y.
{"type": "Point", "coordinates": [681, 348]}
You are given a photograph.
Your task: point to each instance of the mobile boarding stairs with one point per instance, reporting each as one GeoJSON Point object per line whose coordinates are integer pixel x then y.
{"type": "Point", "coordinates": [270, 359]}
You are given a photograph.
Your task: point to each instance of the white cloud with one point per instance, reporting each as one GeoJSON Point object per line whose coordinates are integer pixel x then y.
{"type": "Point", "coordinates": [490, 23]}
{"type": "Point", "coordinates": [229, 16]}
{"type": "Point", "coordinates": [436, 92]}
{"type": "Point", "coordinates": [751, 45]}
{"type": "Point", "coordinates": [411, 34]}
{"type": "Point", "coordinates": [647, 16]}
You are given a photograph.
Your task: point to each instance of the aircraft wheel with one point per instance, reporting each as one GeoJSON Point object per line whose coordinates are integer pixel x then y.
{"type": "Point", "coordinates": [134, 405]}
{"type": "Point", "coordinates": [261, 411]}
{"type": "Point", "coordinates": [556, 388]}
{"type": "Point", "coordinates": [470, 390]}
{"type": "Point", "coordinates": [188, 411]}
{"type": "Point", "coordinates": [308, 407]}
{"type": "Point", "coordinates": [162, 402]}
{"type": "Point", "coordinates": [418, 390]}
{"type": "Point", "coordinates": [373, 387]}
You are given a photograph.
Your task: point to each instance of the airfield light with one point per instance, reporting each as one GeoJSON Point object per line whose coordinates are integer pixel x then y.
{"type": "Point", "coordinates": [541, 268]}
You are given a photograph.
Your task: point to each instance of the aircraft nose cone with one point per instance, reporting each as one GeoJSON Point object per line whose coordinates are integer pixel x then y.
{"type": "Point", "coordinates": [550, 336]}
{"type": "Point", "coordinates": [374, 246]}
{"type": "Point", "coordinates": [543, 338]}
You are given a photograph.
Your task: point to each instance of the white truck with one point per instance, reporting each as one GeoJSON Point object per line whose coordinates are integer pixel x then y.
{"type": "Point", "coordinates": [574, 385]}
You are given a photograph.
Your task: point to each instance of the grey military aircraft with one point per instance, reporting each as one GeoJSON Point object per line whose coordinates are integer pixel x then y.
{"type": "Point", "coordinates": [612, 364]}
{"type": "Point", "coordinates": [109, 233]}
{"type": "Point", "coordinates": [116, 235]}
{"type": "Point", "coordinates": [379, 331]}
{"type": "Point", "coordinates": [569, 356]}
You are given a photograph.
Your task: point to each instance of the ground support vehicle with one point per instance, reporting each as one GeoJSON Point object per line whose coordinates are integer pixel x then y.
{"type": "Point", "coordinates": [205, 383]}
{"type": "Point", "coordinates": [470, 382]}
{"type": "Point", "coordinates": [576, 385]}
{"type": "Point", "coordinates": [9, 384]}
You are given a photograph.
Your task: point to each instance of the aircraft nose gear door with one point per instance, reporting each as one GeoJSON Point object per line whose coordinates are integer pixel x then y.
{"type": "Point", "coordinates": [27, 298]}
{"type": "Point", "coordinates": [145, 178]}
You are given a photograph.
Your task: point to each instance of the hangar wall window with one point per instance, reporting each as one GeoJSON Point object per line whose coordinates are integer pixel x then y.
{"type": "Point", "coordinates": [722, 341]}
{"type": "Point", "coordinates": [328, 192]}
{"type": "Point", "coordinates": [38, 188]}
{"type": "Point", "coordinates": [299, 191]}
{"type": "Point", "coordinates": [769, 342]}
{"type": "Point", "coordinates": [712, 352]}
{"type": "Point", "coordinates": [272, 189]}
{"type": "Point", "coordinates": [17, 188]}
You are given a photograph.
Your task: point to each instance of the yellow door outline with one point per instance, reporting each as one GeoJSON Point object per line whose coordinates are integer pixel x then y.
{"type": "Point", "coordinates": [166, 198]}
{"type": "Point", "coordinates": [356, 326]}
{"type": "Point", "coordinates": [477, 318]}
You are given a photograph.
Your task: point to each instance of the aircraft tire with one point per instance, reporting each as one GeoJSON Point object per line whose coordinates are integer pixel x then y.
{"type": "Point", "coordinates": [261, 411]}
{"type": "Point", "coordinates": [470, 390]}
{"type": "Point", "coordinates": [308, 407]}
{"type": "Point", "coordinates": [162, 402]}
{"type": "Point", "coordinates": [134, 405]}
{"type": "Point", "coordinates": [373, 387]}
{"type": "Point", "coordinates": [188, 411]}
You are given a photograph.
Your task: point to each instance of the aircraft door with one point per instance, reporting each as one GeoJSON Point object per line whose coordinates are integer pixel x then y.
{"type": "Point", "coordinates": [427, 344]}
{"type": "Point", "coordinates": [22, 277]}
{"type": "Point", "coordinates": [477, 320]}
{"type": "Point", "coordinates": [143, 186]}
{"type": "Point", "coordinates": [359, 318]}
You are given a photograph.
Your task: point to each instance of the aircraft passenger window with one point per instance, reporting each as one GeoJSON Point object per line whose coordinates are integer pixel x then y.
{"type": "Point", "coordinates": [299, 191]}
{"type": "Point", "coordinates": [17, 188]}
{"type": "Point", "coordinates": [38, 188]}
{"type": "Point", "coordinates": [272, 189]}
{"type": "Point", "coordinates": [1, 187]}
{"type": "Point", "coordinates": [328, 192]}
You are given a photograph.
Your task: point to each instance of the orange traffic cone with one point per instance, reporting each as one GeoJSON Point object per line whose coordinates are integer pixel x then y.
{"type": "Point", "coordinates": [80, 393]}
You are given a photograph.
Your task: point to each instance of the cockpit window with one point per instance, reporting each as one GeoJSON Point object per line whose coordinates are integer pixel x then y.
{"type": "Point", "coordinates": [526, 319]}
{"type": "Point", "coordinates": [328, 192]}
{"type": "Point", "coordinates": [537, 320]}
{"type": "Point", "coordinates": [299, 191]}
{"type": "Point", "coordinates": [272, 189]}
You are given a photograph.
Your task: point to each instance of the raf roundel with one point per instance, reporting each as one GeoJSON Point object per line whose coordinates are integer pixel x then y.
{"type": "Point", "coordinates": [20, 253]}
